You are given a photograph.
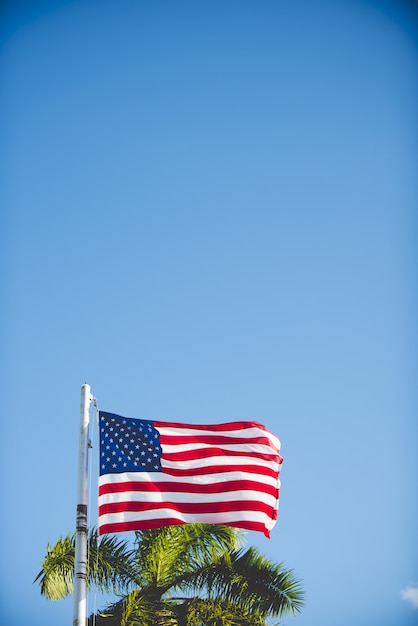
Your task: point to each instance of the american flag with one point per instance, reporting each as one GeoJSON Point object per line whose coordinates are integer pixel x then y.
{"type": "Point", "coordinates": [155, 473]}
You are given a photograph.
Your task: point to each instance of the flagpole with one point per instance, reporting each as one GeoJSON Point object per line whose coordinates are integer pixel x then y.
{"type": "Point", "coordinates": [80, 557]}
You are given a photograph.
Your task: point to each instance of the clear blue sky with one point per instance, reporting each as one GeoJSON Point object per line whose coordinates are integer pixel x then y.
{"type": "Point", "coordinates": [209, 213]}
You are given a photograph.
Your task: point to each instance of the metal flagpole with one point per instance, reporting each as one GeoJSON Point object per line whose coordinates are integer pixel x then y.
{"type": "Point", "coordinates": [80, 557]}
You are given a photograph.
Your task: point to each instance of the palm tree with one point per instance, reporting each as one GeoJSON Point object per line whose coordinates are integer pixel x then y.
{"type": "Point", "coordinates": [189, 575]}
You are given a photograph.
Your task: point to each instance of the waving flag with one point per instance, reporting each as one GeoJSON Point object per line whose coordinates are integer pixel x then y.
{"type": "Point", "coordinates": [155, 474]}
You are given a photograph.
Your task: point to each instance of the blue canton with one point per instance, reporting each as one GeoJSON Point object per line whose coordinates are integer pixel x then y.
{"type": "Point", "coordinates": [128, 445]}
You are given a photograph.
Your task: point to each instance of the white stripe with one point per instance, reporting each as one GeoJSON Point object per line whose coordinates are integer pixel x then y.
{"type": "Point", "coordinates": [247, 447]}
{"type": "Point", "coordinates": [204, 479]}
{"type": "Point", "coordinates": [243, 433]}
{"type": "Point", "coordinates": [155, 496]}
{"type": "Point", "coordinates": [213, 461]}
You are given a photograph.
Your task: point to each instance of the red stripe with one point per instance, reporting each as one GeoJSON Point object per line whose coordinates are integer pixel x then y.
{"type": "Point", "coordinates": [188, 507]}
{"type": "Point", "coordinates": [179, 439]}
{"type": "Point", "coordinates": [257, 526]}
{"type": "Point", "coordinates": [220, 469]}
{"type": "Point", "coordinates": [228, 426]}
{"type": "Point", "coordinates": [167, 487]}
{"type": "Point", "coordinates": [205, 453]}
{"type": "Point", "coordinates": [157, 523]}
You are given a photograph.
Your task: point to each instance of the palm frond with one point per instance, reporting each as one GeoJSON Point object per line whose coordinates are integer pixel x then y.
{"type": "Point", "coordinates": [56, 576]}
{"type": "Point", "coordinates": [111, 563]}
{"type": "Point", "coordinates": [249, 579]}
{"type": "Point", "coordinates": [167, 553]}
{"type": "Point", "coordinates": [274, 587]}
{"type": "Point", "coordinates": [221, 612]}
{"type": "Point", "coordinates": [110, 566]}
{"type": "Point", "coordinates": [137, 609]}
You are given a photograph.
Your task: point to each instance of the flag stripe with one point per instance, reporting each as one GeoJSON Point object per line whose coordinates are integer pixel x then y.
{"type": "Point", "coordinates": [136, 496]}
{"type": "Point", "coordinates": [218, 474]}
{"type": "Point", "coordinates": [188, 487]}
{"type": "Point", "coordinates": [140, 524]}
{"type": "Point", "coordinates": [246, 428]}
{"type": "Point", "coordinates": [211, 440]}
{"type": "Point", "coordinates": [216, 462]}
{"type": "Point", "coordinates": [154, 480]}
{"type": "Point", "coordinates": [202, 453]}
{"type": "Point", "coordinates": [224, 518]}
{"type": "Point", "coordinates": [172, 469]}
{"type": "Point", "coordinates": [188, 433]}
{"type": "Point", "coordinates": [185, 507]}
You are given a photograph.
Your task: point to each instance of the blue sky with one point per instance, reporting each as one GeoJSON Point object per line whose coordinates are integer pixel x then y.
{"type": "Point", "coordinates": [209, 214]}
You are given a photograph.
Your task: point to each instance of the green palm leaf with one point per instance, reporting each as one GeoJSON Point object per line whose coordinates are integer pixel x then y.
{"type": "Point", "coordinates": [110, 566]}
{"type": "Point", "coordinates": [248, 579]}
{"type": "Point", "coordinates": [166, 554]}
{"type": "Point", "coordinates": [217, 612]}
